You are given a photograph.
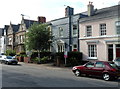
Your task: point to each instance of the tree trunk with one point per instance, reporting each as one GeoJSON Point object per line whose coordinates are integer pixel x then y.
{"type": "Point", "coordinates": [38, 53]}
{"type": "Point", "coordinates": [39, 56]}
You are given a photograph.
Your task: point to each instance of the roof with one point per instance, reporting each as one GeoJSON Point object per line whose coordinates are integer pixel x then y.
{"type": "Point", "coordinates": [15, 27]}
{"type": "Point", "coordinates": [6, 28]}
{"type": "Point", "coordinates": [98, 14]}
{"type": "Point", "coordinates": [29, 22]}
{"type": "Point", "coordinates": [103, 13]}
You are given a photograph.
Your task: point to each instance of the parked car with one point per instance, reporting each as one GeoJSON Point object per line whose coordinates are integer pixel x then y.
{"type": "Point", "coordinates": [117, 62]}
{"type": "Point", "coordinates": [2, 57]}
{"type": "Point", "coordinates": [9, 60]}
{"type": "Point", "coordinates": [107, 70]}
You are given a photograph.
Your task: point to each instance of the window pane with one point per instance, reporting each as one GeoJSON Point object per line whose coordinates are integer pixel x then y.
{"type": "Point", "coordinates": [92, 50]}
{"type": "Point", "coordinates": [89, 31]}
{"type": "Point", "coordinates": [99, 64]}
{"type": "Point", "coordinates": [103, 29]}
{"type": "Point", "coordinates": [118, 27]}
{"type": "Point", "coordinates": [90, 64]}
{"type": "Point", "coordinates": [60, 31]}
{"type": "Point", "coordinates": [74, 30]}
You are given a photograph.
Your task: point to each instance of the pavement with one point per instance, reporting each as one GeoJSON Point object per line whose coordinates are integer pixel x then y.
{"type": "Point", "coordinates": [47, 65]}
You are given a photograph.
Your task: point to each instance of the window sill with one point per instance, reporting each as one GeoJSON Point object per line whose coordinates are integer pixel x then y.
{"type": "Point", "coordinates": [92, 58]}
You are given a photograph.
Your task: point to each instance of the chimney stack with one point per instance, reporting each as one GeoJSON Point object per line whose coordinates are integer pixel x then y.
{"type": "Point", "coordinates": [90, 9]}
{"type": "Point", "coordinates": [41, 19]}
{"type": "Point", "coordinates": [69, 11]}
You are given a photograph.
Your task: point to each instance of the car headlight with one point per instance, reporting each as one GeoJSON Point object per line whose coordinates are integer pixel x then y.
{"type": "Point", "coordinates": [74, 68]}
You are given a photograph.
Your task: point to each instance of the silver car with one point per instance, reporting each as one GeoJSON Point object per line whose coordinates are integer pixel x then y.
{"type": "Point", "coordinates": [2, 57]}
{"type": "Point", "coordinates": [9, 60]}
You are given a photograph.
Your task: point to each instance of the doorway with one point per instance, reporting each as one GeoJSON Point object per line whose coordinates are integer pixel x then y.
{"type": "Point", "coordinates": [110, 52]}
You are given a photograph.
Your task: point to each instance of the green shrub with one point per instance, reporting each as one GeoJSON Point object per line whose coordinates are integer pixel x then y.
{"type": "Point", "coordinates": [74, 58]}
{"type": "Point", "coordinates": [36, 60]}
{"type": "Point", "coordinates": [72, 61]}
{"type": "Point", "coordinates": [10, 52]}
{"type": "Point", "coordinates": [22, 54]}
{"type": "Point", "coordinates": [44, 60]}
{"type": "Point", "coordinates": [42, 54]}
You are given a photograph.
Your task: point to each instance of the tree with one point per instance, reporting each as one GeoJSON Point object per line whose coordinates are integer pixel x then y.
{"type": "Point", "coordinates": [37, 38]}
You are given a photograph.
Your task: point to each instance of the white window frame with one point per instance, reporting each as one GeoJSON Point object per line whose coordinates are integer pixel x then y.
{"type": "Point", "coordinates": [10, 41]}
{"type": "Point", "coordinates": [73, 47]}
{"type": "Point", "coordinates": [117, 24]}
{"type": "Point", "coordinates": [60, 48]}
{"type": "Point", "coordinates": [74, 30]}
{"type": "Point", "coordinates": [103, 30]}
{"type": "Point", "coordinates": [92, 51]}
{"type": "Point", "coordinates": [89, 31]}
{"type": "Point", "coordinates": [61, 32]}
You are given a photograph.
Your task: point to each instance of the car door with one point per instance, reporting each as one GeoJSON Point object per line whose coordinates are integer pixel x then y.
{"type": "Point", "coordinates": [0, 58]}
{"type": "Point", "coordinates": [88, 68]}
{"type": "Point", "coordinates": [99, 68]}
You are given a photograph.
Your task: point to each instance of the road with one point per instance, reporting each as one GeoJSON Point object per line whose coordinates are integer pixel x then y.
{"type": "Point", "coordinates": [32, 75]}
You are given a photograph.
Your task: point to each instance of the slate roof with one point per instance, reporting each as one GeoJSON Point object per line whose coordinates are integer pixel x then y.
{"type": "Point", "coordinates": [103, 13]}
{"type": "Point", "coordinates": [15, 27]}
{"type": "Point", "coordinates": [29, 22]}
{"type": "Point", "coordinates": [6, 28]}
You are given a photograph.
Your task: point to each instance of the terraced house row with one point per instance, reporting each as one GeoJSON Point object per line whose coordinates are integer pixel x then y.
{"type": "Point", "coordinates": [95, 33]}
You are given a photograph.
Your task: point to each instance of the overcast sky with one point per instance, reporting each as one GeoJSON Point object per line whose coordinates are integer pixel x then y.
{"type": "Point", "coordinates": [11, 10]}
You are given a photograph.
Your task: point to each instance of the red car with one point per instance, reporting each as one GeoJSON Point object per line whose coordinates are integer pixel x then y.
{"type": "Point", "coordinates": [107, 70]}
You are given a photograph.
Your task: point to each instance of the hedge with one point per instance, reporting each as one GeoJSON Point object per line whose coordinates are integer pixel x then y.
{"type": "Point", "coordinates": [74, 58]}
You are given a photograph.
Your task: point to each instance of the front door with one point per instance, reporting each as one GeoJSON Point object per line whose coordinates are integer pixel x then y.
{"type": "Point", "coordinates": [110, 52]}
{"type": "Point", "coordinates": [117, 50]}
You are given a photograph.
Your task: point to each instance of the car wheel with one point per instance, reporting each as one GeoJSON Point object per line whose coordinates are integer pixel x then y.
{"type": "Point", "coordinates": [7, 63]}
{"type": "Point", "coordinates": [106, 76]}
{"type": "Point", "coordinates": [77, 73]}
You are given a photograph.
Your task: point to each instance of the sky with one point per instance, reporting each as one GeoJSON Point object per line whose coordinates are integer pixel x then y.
{"type": "Point", "coordinates": [11, 10]}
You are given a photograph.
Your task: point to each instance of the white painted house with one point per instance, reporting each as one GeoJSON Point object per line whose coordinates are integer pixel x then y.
{"type": "Point", "coordinates": [100, 33]}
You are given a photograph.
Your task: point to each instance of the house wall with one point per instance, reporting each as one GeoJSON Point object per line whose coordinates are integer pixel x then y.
{"type": "Point", "coordinates": [1, 44]}
{"type": "Point", "coordinates": [102, 48]}
{"type": "Point", "coordinates": [67, 25]}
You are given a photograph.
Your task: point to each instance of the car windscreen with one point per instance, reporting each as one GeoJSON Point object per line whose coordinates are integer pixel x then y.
{"type": "Point", "coordinates": [9, 57]}
{"type": "Point", "coordinates": [113, 65]}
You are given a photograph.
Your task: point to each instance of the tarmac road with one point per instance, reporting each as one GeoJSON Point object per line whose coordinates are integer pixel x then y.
{"type": "Point", "coordinates": [33, 75]}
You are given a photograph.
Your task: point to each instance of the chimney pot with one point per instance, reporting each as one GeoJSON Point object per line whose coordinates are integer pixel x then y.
{"type": "Point", "coordinates": [41, 19]}
{"type": "Point", "coordinates": [90, 9]}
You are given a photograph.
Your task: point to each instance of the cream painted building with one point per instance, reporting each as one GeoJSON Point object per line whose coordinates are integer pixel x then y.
{"type": "Point", "coordinates": [100, 33]}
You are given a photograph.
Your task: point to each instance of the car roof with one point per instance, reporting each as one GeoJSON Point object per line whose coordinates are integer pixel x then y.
{"type": "Point", "coordinates": [101, 61]}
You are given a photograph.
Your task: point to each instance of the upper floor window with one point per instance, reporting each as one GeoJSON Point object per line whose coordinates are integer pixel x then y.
{"type": "Point", "coordinates": [75, 32]}
{"type": "Point", "coordinates": [60, 32]}
{"type": "Point", "coordinates": [22, 39]}
{"type": "Point", "coordinates": [117, 27]}
{"type": "Point", "coordinates": [10, 41]}
{"type": "Point", "coordinates": [89, 31]}
{"type": "Point", "coordinates": [102, 29]}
